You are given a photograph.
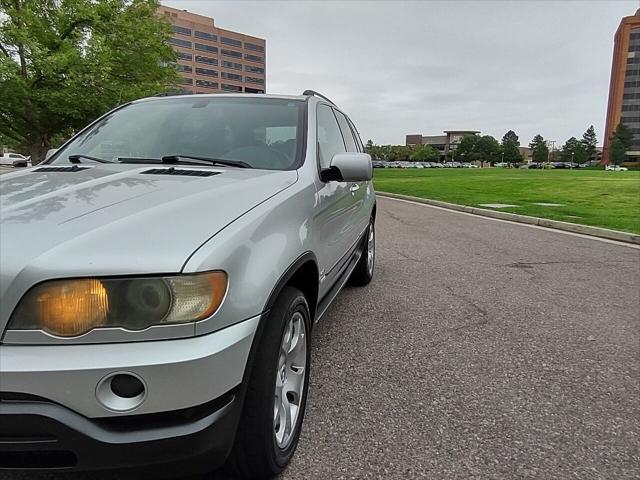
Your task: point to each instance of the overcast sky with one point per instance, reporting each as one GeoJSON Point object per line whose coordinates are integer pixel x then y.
{"type": "Point", "coordinates": [425, 66]}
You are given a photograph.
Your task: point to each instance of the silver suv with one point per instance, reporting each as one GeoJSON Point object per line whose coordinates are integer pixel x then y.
{"type": "Point", "coordinates": [160, 277]}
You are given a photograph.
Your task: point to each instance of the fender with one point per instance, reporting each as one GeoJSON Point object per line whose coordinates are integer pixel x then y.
{"type": "Point", "coordinates": [241, 391]}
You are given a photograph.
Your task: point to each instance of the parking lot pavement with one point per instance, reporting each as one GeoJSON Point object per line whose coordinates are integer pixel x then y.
{"type": "Point", "coordinates": [482, 349]}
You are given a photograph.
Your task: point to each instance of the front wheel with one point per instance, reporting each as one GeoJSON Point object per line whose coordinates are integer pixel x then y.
{"type": "Point", "coordinates": [277, 392]}
{"type": "Point", "coordinates": [363, 273]}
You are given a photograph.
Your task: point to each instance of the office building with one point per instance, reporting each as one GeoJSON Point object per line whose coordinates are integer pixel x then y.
{"type": "Point", "coordinates": [443, 143]}
{"type": "Point", "coordinates": [624, 88]}
{"type": "Point", "coordinates": [215, 60]}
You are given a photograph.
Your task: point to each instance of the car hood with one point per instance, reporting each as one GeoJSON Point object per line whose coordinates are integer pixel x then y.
{"type": "Point", "coordinates": [117, 219]}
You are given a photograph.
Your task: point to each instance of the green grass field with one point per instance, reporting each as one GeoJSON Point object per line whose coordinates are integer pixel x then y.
{"type": "Point", "coordinates": [593, 197]}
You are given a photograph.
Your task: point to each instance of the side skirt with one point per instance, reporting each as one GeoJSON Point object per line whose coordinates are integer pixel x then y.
{"type": "Point", "coordinates": [342, 280]}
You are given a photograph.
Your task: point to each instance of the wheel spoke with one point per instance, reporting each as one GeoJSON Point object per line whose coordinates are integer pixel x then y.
{"type": "Point", "coordinates": [295, 382]}
{"type": "Point", "coordinates": [298, 353]}
{"type": "Point", "coordinates": [286, 406]}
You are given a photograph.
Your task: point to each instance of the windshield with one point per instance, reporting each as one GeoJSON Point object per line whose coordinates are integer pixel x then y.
{"type": "Point", "coordinates": [264, 133]}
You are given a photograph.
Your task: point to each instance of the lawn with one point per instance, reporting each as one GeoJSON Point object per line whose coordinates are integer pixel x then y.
{"type": "Point", "coordinates": [593, 197]}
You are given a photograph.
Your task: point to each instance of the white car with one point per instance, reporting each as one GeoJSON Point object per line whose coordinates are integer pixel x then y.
{"type": "Point", "coordinates": [616, 168]}
{"type": "Point", "coordinates": [14, 160]}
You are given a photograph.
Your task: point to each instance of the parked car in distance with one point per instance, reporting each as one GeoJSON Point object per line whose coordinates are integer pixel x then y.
{"type": "Point", "coordinates": [615, 168]}
{"type": "Point", "coordinates": [162, 314]}
{"type": "Point", "coordinates": [377, 164]}
{"type": "Point", "coordinates": [14, 160]}
{"type": "Point", "coordinates": [436, 165]}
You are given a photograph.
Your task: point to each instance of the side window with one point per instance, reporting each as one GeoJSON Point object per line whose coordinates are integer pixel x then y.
{"type": "Point", "coordinates": [330, 139]}
{"type": "Point", "coordinates": [356, 135]}
{"type": "Point", "coordinates": [346, 132]}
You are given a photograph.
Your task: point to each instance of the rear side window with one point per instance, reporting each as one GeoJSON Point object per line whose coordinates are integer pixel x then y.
{"type": "Point", "coordinates": [356, 135]}
{"type": "Point", "coordinates": [330, 139]}
{"type": "Point", "coordinates": [347, 134]}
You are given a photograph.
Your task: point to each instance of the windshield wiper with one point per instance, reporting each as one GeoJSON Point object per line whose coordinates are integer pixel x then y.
{"type": "Point", "coordinates": [76, 158]}
{"type": "Point", "coordinates": [206, 160]}
{"type": "Point", "coordinates": [186, 159]}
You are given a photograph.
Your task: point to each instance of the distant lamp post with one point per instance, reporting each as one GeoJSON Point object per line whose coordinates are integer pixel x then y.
{"type": "Point", "coordinates": [572, 154]}
{"type": "Point", "coordinates": [550, 151]}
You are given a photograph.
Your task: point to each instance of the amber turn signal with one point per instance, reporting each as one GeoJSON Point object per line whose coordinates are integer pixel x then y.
{"type": "Point", "coordinates": [72, 308]}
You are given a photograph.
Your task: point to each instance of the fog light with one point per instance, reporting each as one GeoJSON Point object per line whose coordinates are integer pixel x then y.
{"type": "Point", "coordinates": [126, 386]}
{"type": "Point", "coordinates": [121, 391]}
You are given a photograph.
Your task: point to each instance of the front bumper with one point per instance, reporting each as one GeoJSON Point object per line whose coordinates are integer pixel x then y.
{"type": "Point", "coordinates": [51, 416]}
{"type": "Point", "coordinates": [39, 435]}
{"type": "Point", "coordinates": [178, 373]}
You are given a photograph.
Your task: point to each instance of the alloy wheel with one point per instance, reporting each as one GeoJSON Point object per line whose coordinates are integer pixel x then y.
{"type": "Point", "coordinates": [290, 379]}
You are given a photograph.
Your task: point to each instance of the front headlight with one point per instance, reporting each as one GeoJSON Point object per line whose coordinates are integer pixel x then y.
{"type": "Point", "coordinates": [69, 308]}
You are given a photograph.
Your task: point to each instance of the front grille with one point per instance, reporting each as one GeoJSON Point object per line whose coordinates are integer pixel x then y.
{"type": "Point", "coordinates": [180, 171]}
{"type": "Point", "coordinates": [73, 168]}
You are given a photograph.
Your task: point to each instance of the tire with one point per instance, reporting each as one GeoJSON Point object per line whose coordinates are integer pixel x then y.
{"type": "Point", "coordinates": [363, 273]}
{"type": "Point", "coordinates": [261, 449]}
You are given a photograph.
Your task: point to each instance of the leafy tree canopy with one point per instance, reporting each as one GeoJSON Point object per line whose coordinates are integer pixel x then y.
{"type": "Point", "coordinates": [624, 135]}
{"type": "Point", "coordinates": [617, 151]}
{"type": "Point", "coordinates": [474, 148]}
{"type": "Point", "coordinates": [590, 142]}
{"type": "Point", "coordinates": [467, 149]}
{"type": "Point", "coordinates": [424, 153]}
{"type": "Point", "coordinates": [65, 62]}
{"type": "Point", "coordinates": [574, 150]}
{"type": "Point", "coordinates": [509, 148]}
{"type": "Point", "coordinates": [539, 149]}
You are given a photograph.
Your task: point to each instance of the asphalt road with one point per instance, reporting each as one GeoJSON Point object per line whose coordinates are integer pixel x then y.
{"type": "Point", "coordinates": [482, 349]}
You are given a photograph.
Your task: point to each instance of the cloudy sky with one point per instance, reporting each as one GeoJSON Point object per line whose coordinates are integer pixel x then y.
{"type": "Point", "coordinates": [401, 67]}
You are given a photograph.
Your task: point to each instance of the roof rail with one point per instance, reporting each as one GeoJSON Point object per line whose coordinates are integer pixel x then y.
{"type": "Point", "coordinates": [173, 94]}
{"type": "Point", "coordinates": [313, 93]}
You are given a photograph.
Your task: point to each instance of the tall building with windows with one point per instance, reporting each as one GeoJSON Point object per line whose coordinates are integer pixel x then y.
{"type": "Point", "coordinates": [624, 89]}
{"type": "Point", "coordinates": [215, 60]}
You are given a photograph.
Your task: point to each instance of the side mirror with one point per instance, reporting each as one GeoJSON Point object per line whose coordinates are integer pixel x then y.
{"type": "Point", "coordinates": [349, 167]}
{"type": "Point", "coordinates": [50, 152]}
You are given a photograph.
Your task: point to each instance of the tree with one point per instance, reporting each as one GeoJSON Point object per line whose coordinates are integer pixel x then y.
{"type": "Point", "coordinates": [488, 148]}
{"type": "Point", "coordinates": [424, 153]}
{"type": "Point", "coordinates": [369, 144]}
{"type": "Point", "coordinates": [624, 134]}
{"type": "Point", "coordinates": [617, 151]}
{"type": "Point", "coordinates": [509, 148]}
{"type": "Point", "coordinates": [473, 148]}
{"type": "Point", "coordinates": [539, 149]}
{"type": "Point", "coordinates": [573, 150]}
{"type": "Point", "coordinates": [590, 142]}
{"type": "Point", "coordinates": [64, 63]}
{"type": "Point", "coordinates": [467, 149]}
{"type": "Point", "coordinates": [620, 142]}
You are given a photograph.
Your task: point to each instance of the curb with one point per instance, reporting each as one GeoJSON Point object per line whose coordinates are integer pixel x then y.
{"type": "Point", "coordinates": [513, 217]}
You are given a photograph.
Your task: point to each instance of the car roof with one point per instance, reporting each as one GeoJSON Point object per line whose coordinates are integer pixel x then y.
{"type": "Point", "coordinates": [226, 95]}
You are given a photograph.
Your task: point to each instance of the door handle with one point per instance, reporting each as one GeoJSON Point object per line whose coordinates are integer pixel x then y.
{"type": "Point", "coordinates": [354, 188]}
